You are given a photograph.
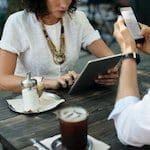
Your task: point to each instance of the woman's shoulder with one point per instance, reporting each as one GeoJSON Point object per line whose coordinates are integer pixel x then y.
{"type": "Point", "coordinates": [19, 17]}
{"type": "Point", "coordinates": [77, 15]}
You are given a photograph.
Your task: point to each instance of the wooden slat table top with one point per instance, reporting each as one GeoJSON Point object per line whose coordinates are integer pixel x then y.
{"type": "Point", "coordinates": [17, 129]}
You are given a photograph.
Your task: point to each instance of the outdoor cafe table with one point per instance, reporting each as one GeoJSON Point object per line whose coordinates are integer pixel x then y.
{"type": "Point", "coordinates": [17, 129]}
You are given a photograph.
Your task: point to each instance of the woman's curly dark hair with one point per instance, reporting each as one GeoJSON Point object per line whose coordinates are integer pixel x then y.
{"type": "Point", "coordinates": [39, 7]}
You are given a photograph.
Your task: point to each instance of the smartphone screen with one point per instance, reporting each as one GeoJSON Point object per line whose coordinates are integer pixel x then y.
{"type": "Point", "coordinates": [131, 23]}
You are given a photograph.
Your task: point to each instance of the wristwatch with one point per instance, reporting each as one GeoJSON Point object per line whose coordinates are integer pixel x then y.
{"type": "Point", "coordinates": [133, 55]}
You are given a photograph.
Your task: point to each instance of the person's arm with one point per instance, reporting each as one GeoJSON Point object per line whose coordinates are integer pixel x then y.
{"type": "Point", "coordinates": [7, 67]}
{"type": "Point", "coordinates": [100, 49]}
{"type": "Point", "coordinates": [128, 78]}
{"type": "Point", "coordinates": [11, 82]}
{"type": "Point", "coordinates": [131, 116]}
{"type": "Point", "coordinates": [128, 85]}
{"type": "Point", "coordinates": [132, 121]}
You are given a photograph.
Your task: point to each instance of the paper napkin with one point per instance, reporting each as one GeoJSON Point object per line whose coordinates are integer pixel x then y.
{"type": "Point", "coordinates": [97, 144]}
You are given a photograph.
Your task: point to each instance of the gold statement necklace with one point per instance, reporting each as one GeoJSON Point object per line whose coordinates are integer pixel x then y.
{"type": "Point", "coordinates": [58, 55]}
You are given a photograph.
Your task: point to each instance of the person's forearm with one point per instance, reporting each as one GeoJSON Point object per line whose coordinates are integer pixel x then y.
{"type": "Point", "coordinates": [100, 49]}
{"type": "Point", "coordinates": [10, 83]}
{"type": "Point", "coordinates": [128, 85]}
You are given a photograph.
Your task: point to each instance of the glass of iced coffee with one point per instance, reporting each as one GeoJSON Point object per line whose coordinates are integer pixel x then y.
{"type": "Point", "coordinates": [73, 128]}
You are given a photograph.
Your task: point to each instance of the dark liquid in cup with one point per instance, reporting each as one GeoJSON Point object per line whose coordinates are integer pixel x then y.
{"type": "Point", "coordinates": [73, 127]}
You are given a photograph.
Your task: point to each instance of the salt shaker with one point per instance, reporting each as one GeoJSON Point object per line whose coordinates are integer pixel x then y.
{"type": "Point", "coordinates": [29, 94]}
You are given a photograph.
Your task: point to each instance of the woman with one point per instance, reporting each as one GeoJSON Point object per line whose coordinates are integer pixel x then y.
{"type": "Point", "coordinates": [45, 39]}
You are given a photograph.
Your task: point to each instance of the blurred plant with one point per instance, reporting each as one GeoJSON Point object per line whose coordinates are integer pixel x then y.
{"type": "Point", "coordinates": [13, 6]}
{"type": "Point", "coordinates": [8, 7]}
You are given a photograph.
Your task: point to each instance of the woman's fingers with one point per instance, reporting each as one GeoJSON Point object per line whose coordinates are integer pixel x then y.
{"type": "Point", "coordinates": [73, 74]}
{"type": "Point", "coordinates": [62, 82]}
{"type": "Point", "coordinates": [109, 78]}
{"type": "Point", "coordinates": [67, 79]}
{"type": "Point", "coordinates": [106, 81]}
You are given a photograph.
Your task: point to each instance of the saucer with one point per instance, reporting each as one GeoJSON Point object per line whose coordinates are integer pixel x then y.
{"type": "Point", "coordinates": [47, 101]}
{"type": "Point", "coordinates": [57, 144]}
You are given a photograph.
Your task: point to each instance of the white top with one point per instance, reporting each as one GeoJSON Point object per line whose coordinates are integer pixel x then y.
{"type": "Point", "coordinates": [132, 120]}
{"type": "Point", "coordinates": [23, 35]}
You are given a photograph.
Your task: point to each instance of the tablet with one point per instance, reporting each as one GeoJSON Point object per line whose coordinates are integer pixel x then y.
{"type": "Point", "coordinates": [94, 67]}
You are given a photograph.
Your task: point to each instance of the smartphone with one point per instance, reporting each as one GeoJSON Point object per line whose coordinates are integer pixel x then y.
{"type": "Point", "coordinates": [132, 24]}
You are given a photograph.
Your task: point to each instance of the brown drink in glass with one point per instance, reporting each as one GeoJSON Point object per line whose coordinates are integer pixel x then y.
{"type": "Point", "coordinates": [73, 128]}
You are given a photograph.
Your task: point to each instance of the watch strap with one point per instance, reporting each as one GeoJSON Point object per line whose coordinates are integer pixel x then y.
{"type": "Point", "coordinates": [133, 55]}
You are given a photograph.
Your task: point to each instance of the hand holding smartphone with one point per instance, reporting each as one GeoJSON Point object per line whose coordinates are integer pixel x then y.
{"type": "Point", "coordinates": [132, 24]}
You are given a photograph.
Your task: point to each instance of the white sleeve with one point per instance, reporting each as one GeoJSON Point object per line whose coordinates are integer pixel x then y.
{"type": "Point", "coordinates": [13, 37]}
{"type": "Point", "coordinates": [132, 120]}
{"type": "Point", "coordinates": [89, 34]}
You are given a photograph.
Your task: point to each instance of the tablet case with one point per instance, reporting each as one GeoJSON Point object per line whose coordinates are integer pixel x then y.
{"type": "Point", "coordinates": [91, 69]}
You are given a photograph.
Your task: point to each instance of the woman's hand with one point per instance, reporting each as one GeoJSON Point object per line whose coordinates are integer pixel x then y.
{"type": "Point", "coordinates": [61, 82]}
{"type": "Point", "coordinates": [109, 78]}
{"type": "Point", "coordinates": [145, 31]}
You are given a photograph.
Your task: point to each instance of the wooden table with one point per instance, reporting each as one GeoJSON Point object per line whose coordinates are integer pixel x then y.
{"type": "Point", "coordinates": [17, 129]}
